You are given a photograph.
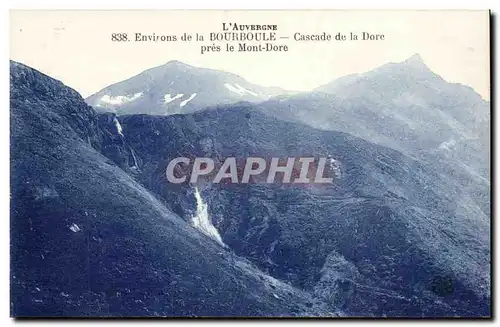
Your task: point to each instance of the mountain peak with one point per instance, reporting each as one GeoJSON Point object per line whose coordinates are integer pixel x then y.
{"type": "Point", "coordinates": [177, 63]}
{"type": "Point", "coordinates": [415, 61]}
{"type": "Point", "coordinates": [175, 87]}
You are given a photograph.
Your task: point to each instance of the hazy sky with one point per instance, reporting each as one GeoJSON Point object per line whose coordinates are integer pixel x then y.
{"type": "Point", "coordinates": [76, 48]}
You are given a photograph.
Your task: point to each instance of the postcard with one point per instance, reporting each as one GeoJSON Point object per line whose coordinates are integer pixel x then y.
{"type": "Point", "coordinates": [244, 164]}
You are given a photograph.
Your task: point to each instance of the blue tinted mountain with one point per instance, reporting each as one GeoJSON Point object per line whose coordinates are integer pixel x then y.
{"type": "Point", "coordinates": [396, 234]}
{"type": "Point", "coordinates": [407, 107]}
{"type": "Point", "coordinates": [89, 240]}
{"type": "Point", "coordinates": [387, 238]}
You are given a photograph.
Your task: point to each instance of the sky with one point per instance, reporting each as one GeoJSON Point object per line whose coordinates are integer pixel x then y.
{"type": "Point", "coordinates": [76, 47]}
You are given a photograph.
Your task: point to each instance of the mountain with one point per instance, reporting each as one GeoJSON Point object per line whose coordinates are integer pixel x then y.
{"type": "Point", "coordinates": [177, 88]}
{"type": "Point", "coordinates": [88, 240]}
{"type": "Point", "coordinates": [401, 105]}
{"type": "Point", "coordinates": [390, 236]}
{"type": "Point", "coordinates": [420, 100]}
{"type": "Point", "coordinates": [407, 107]}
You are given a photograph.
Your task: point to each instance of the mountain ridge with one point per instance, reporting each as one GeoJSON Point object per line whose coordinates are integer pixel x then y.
{"type": "Point", "coordinates": [388, 238]}
{"type": "Point", "coordinates": [176, 87]}
{"type": "Point", "coordinates": [87, 239]}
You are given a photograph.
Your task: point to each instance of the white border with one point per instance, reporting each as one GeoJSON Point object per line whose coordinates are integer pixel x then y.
{"type": "Point", "coordinates": [254, 4]}
{"type": "Point", "coordinates": [184, 4]}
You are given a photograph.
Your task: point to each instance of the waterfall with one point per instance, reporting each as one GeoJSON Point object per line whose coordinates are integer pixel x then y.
{"type": "Point", "coordinates": [136, 165]}
{"type": "Point", "coordinates": [119, 128]}
{"type": "Point", "coordinates": [201, 220]}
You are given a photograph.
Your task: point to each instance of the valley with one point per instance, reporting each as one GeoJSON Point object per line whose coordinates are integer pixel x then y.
{"type": "Point", "coordinates": [98, 229]}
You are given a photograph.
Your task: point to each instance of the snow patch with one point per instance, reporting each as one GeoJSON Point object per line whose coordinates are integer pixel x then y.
{"type": "Point", "coordinates": [74, 227]}
{"type": "Point", "coordinates": [120, 99]}
{"type": "Point", "coordinates": [191, 97]}
{"type": "Point", "coordinates": [447, 144]}
{"type": "Point", "coordinates": [242, 89]}
{"type": "Point", "coordinates": [236, 88]}
{"type": "Point", "coordinates": [169, 98]}
{"type": "Point", "coordinates": [202, 221]}
{"type": "Point", "coordinates": [232, 88]}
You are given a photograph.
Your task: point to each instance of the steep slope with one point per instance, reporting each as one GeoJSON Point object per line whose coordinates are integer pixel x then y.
{"type": "Point", "coordinates": [88, 240]}
{"type": "Point", "coordinates": [391, 236]}
{"type": "Point", "coordinates": [177, 88]}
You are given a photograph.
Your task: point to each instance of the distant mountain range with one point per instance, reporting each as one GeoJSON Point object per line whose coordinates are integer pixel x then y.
{"type": "Point", "coordinates": [177, 88]}
{"type": "Point", "coordinates": [402, 105]}
{"type": "Point", "coordinates": [97, 230]}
